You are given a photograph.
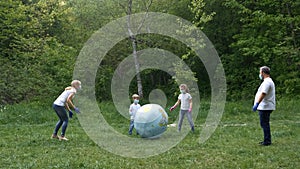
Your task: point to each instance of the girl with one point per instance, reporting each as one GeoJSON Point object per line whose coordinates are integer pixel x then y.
{"type": "Point", "coordinates": [186, 106]}
{"type": "Point", "coordinates": [63, 102]}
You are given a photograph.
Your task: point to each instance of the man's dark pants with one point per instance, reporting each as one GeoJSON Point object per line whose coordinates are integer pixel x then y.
{"type": "Point", "coordinates": [264, 116]}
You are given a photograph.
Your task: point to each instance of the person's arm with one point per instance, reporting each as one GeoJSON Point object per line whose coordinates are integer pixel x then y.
{"type": "Point", "coordinates": [261, 97]}
{"type": "Point", "coordinates": [130, 110]}
{"type": "Point", "coordinates": [175, 105]}
{"type": "Point", "coordinates": [69, 101]}
{"type": "Point", "coordinates": [67, 107]}
{"type": "Point", "coordinates": [191, 105]}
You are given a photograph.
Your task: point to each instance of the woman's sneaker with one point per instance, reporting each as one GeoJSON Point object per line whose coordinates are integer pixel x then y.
{"type": "Point", "coordinates": [54, 136]}
{"type": "Point", "coordinates": [63, 138]}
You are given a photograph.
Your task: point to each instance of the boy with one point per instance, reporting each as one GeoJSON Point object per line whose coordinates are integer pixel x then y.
{"type": "Point", "coordinates": [132, 111]}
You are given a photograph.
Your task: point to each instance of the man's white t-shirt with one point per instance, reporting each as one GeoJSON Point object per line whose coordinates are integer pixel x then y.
{"type": "Point", "coordinates": [133, 109]}
{"type": "Point", "coordinates": [268, 102]}
{"type": "Point", "coordinates": [185, 101]}
{"type": "Point", "coordinates": [62, 98]}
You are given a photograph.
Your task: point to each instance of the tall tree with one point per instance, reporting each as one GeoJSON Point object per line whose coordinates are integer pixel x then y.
{"type": "Point", "coordinates": [133, 39]}
{"type": "Point", "coordinates": [134, 45]}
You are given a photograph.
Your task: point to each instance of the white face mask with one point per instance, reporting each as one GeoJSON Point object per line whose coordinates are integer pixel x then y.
{"type": "Point", "coordinates": [136, 101]}
{"type": "Point", "coordinates": [182, 91]}
{"type": "Point", "coordinates": [260, 77]}
{"type": "Point", "coordinates": [79, 87]}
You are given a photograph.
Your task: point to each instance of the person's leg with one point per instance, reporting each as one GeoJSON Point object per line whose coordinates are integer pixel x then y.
{"type": "Point", "coordinates": [62, 114]}
{"type": "Point", "coordinates": [59, 123]}
{"type": "Point", "coordinates": [181, 116]}
{"type": "Point", "coordinates": [265, 125]}
{"type": "Point", "coordinates": [57, 127]}
{"type": "Point", "coordinates": [131, 127]}
{"type": "Point", "coordinates": [65, 122]}
{"type": "Point", "coordinates": [268, 128]}
{"type": "Point", "coordinates": [190, 119]}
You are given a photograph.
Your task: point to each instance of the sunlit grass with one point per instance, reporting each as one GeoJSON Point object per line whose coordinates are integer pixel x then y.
{"type": "Point", "coordinates": [26, 129]}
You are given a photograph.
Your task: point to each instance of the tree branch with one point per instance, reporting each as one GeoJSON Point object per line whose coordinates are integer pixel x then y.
{"type": "Point", "coordinates": [146, 15]}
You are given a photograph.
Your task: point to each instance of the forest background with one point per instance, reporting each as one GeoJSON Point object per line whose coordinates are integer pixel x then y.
{"type": "Point", "coordinates": [40, 41]}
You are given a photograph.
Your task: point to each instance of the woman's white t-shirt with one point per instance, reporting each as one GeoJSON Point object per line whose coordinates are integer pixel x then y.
{"type": "Point", "coordinates": [62, 98]}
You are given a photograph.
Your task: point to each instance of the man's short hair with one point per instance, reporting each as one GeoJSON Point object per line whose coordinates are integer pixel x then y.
{"type": "Point", "coordinates": [265, 69]}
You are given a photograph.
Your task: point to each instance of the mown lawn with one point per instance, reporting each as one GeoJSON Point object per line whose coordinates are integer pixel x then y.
{"type": "Point", "coordinates": [26, 129]}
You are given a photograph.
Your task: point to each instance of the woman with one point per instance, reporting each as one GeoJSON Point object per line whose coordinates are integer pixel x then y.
{"type": "Point", "coordinates": [63, 102]}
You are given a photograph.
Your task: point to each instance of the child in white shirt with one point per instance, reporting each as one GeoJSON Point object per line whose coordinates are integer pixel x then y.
{"type": "Point", "coordinates": [132, 111]}
{"type": "Point", "coordinates": [186, 106]}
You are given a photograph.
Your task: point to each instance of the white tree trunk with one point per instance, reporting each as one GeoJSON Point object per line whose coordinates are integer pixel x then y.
{"type": "Point", "coordinates": [134, 50]}
{"type": "Point", "coordinates": [137, 68]}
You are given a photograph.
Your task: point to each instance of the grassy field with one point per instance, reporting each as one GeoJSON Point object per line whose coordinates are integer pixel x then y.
{"type": "Point", "coordinates": [26, 129]}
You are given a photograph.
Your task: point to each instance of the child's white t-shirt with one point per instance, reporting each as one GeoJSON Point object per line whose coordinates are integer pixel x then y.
{"type": "Point", "coordinates": [133, 109]}
{"type": "Point", "coordinates": [62, 98]}
{"type": "Point", "coordinates": [185, 101]}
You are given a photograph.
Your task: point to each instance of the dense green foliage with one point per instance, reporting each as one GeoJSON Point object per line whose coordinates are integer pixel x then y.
{"type": "Point", "coordinates": [34, 60]}
{"type": "Point", "coordinates": [26, 129]}
{"type": "Point", "coordinates": [40, 40]}
{"type": "Point", "coordinates": [249, 34]}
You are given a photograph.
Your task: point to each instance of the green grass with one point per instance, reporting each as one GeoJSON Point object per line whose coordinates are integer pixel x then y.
{"type": "Point", "coordinates": [26, 129]}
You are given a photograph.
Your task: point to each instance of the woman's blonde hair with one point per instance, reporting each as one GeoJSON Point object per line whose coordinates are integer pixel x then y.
{"type": "Point", "coordinates": [75, 82]}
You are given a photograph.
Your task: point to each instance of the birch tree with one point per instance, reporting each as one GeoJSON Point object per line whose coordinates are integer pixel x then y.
{"type": "Point", "coordinates": [133, 39]}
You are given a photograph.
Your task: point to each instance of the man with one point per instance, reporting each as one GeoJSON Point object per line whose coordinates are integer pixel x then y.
{"type": "Point", "coordinates": [265, 103]}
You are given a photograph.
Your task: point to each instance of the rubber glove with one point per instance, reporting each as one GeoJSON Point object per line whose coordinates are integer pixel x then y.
{"type": "Point", "coordinates": [70, 114]}
{"type": "Point", "coordinates": [77, 110]}
{"type": "Point", "coordinates": [254, 108]}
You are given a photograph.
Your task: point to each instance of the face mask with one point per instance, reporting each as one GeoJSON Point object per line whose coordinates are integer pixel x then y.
{"type": "Point", "coordinates": [182, 91]}
{"type": "Point", "coordinates": [79, 87]}
{"type": "Point", "coordinates": [260, 77]}
{"type": "Point", "coordinates": [136, 101]}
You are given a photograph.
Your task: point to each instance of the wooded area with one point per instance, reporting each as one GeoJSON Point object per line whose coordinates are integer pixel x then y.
{"type": "Point", "coordinates": [41, 39]}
